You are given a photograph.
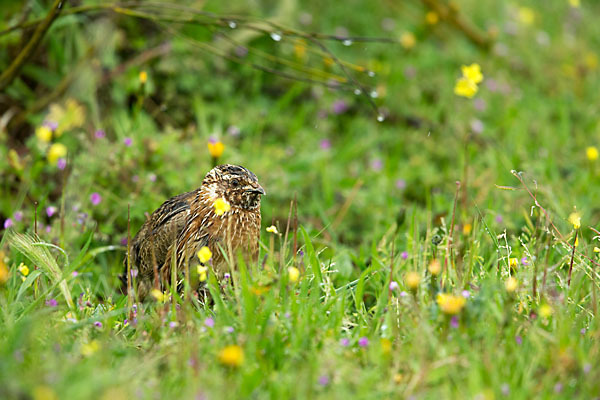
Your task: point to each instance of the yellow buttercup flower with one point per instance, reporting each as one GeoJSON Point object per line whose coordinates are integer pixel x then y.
{"type": "Point", "coordinates": [90, 348]}
{"type": "Point", "coordinates": [202, 271]}
{"type": "Point", "coordinates": [43, 133]}
{"type": "Point", "coordinates": [293, 274]}
{"type": "Point", "coordinates": [4, 271]}
{"type": "Point", "coordinates": [467, 228]}
{"type": "Point", "coordinates": [450, 304]}
{"type": "Point", "coordinates": [232, 356]}
{"type": "Point", "coordinates": [465, 88]}
{"type": "Point", "coordinates": [408, 40]}
{"type": "Point", "coordinates": [56, 151]}
{"type": "Point", "coordinates": [575, 220]}
{"type": "Point", "coordinates": [511, 284]}
{"type": "Point", "coordinates": [432, 18]}
{"type": "Point", "coordinates": [143, 77]}
{"type": "Point", "coordinates": [43, 392]}
{"type": "Point", "coordinates": [221, 206]}
{"type": "Point", "coordinates": [386, 345]}
{"type": "Point", "coordinates": [526, 15]}
{"type": "Point", "coordinates": [546, 311]}
{"type": "Point", "coordinates": [472, 72]}
{"type": "Point", "coordinates": [434, 267]}
{"type": "Point", "coordinates": [23, 269]}
{"type": "Point", "coordinates": [272, 229]}
{"type": "Point", "coordinates": [216, 149]}
{"type": "Point", "coordinates": [204, 254]}
{"type": "Point", "coordinates": [513, 262]}
{"type": "Point", "coordinates": [300, 49]}
{"type": "Point", "coordinates": [159, 296]}
{"type": "Point", "coordinates": [592, 153]}
{"type": "Point", "coordinates": [412, 279]}
{"type": "Point", "coordinates": [596, 249]}
{"type": "Point", "coordinates": [575, 3]}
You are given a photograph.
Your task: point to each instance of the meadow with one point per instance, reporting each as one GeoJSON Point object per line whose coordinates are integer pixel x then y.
{"type": "Point", "coordinates": [431, 223]}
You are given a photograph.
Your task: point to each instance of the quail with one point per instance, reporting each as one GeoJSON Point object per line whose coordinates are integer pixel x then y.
{"type": "Point", "coordinates": [184, 224]}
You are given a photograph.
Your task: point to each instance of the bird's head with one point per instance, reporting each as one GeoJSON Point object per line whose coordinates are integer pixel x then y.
{"type": "Point", "coordinates": [236, 184]}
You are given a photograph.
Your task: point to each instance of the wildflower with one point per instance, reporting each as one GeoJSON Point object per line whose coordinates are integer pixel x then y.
{"type": "Point", "coordinates": [23, 269]}
{"type": "Point", "coordinates": [215, 148]}
{"type": "Point", "coordinates": [403, 294]}
{"type": "Point", "coordinates": [226, 275]}
{"type": "Point", "coordinates": [44, 134]}
{"type": "Point", "coordinates": [143, 77]}
{"type": "Point", "coordinates": [404, 255]}
{"type": "Point", "coordinates": [204, 254]}
{"type": "Point", "coordinates": [100, 134]}
{"type": "Point", "coordinates": [467, 228]}
{"type": "Point", "coordinates": [8, 223]}
{"type": "Point", "coordinates": [575, 220]}
{"type": "Point", "coordinates": [98, 324]}
{"type": "Point", "coordinates": [575, 3]}
{"type": "Point", "coordinates": [51, 303]}
{"type": "Point", "coordinates": [526, 15]}
{"type": "Point", "coordinates": [56, 151]}
{"type": "Point", "coordinates": [546, 311]}
{"type": "Point", "coordinates": [325, 144]}
{"type": "Point", "coordinates": [518, 340]}
{"type": "Point", "coordinates": [229, 329]}
{"type": "Point", "coordinates": [272, 229]}
{"type": "Point", "coordinates": [363, 341]}
{"type": "Point", "coordinates": [221, 206]}
{"type": "Point", "coordinates": [344, 342]}
{"type": "Point", "coordinates": [128, 141]}
{"type": "Point", "coordinates": [90, 348]}
{"type": "Point", "coordinates": [466, 88]}
{"type": "Point", "coordinates": [394, 285]}
{"type": "Point", "coordinates": [524, 261]}
{"type": "Point", "coordinates": [450, 304]}
{"type": "Point", "coordinates": [592, 153]}
{"type": "Point", "coordinates": [50, 211]}
{"type": "Point", "coordinates": [400, 184]}
{"type": "Point", "coordinates": [511, 284]}
{"type": "Point", "coordinates": [173, 324]}
{"type": "Point", "coordinates": [339, 107]}
{"type": "Point", "coordinates": [61, 163]}
{"type": "Point", "coordinates": [408, 40]}
{"type": "Point", "coordinates": [202, 271]}
{"type": "Point", "coordinates": [558, 387]}
{"type": "Point", "coordinates": [472, 72]}
{"type": "Point", "coordinates": [412, 279]}
{"type": "Point", "coordinates": [4, 271]}
{"type": "Point", "coordinates": [376, 164]}
{"type": "Point", "coordinates": [477, 125]}
{"type": "Point", "coordinates": [44, 392]}
{"type": "Point", "coordinates": [14, 160]}
{"type": "Point", "coordinates": [454, 322]}
{"type": "Point", "coordinates": [95, 198]}
{"type": "Point", "coordinates": [434, 267]}
{"type": "Point", "coordinates": [513, 262]}
{"type": "Point", "coordinates": [232, 356]}
{"type": "Point", "coordinates": [159, 296]}
{"type": "Point", "coordinates": [209, 322]}
{"type": "Point", "coordinates": [293, 274]}
{"type": "Point", "coordinates": [323, 380]}
{"type": "Point", "coordinates": [465, 294]}
{"type": "Point", "coordinates": [499, 219]}
{"type": "Point", "coordinates": [386, 345]}
{"type": "Point", "coordinates": [432, 18]}
{"type": "Point", "coordinates": [596, 249]}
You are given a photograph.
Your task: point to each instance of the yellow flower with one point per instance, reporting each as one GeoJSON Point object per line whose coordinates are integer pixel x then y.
{"type": "Point", "coordinates": [14, 160]}
{"type": "Point", "coordinates": [204, 254]}
{"type": "Point", "coordinates": [202, 273]}
{"type": "Point", "coordinates": [43, 133]}
{"type": "Point", "coordinates": [143, 77]}
{"type": "Point", "coordinates": [576, 241]}
{"type": "Point", "coordinates": [232, 356]}
{"type": "Point", "coordinates": [546, 311]}
{"type": "Point", "coordinates": [90, 348]}
{"type": "Point", "coordinates": [432, 18]}
{"type": "Point", "coordinates": [575, 220]}
{"type": "Point", "coordinates": [450, 304]}
{"type": "Point", "coordinates": [216, 148]}
{"type": "Point", "coordinates": [23, 269]}
{"type": "Point", "coordinates": [300, 49]}
{"type": "Point", "coordinates": [596, 249]}
{"type": "Point", "coordinates": [386, 345]}
{"type": "Point", "coordinates": [511, 284]}
{"type": "Point", "coordinates": [43, 392]}
{"type": "Point", "coordinates": [465, 87]}
{"type": "Point", "coordinates": [272, 229]}
{"type": "Point", "coordinates": [592, 153]}
{"type": "Point", "coordinates": [159, 296]}
{"type": "Point", "coordinates": [526, 15]}
{"type": "Point", "coordinates": [69, 117]}
{"type": "Point", "coordinates": [467, 228]}
{"type": "Point", "coordinates": [4, 271]}
{"type": "Point", "coordinates": [513, 262]}
{"type": "Point", "coordinates": [221, 206]}
{"type": "Point", "coordinates": [293, 274]}
{"type": "Point", "coordinates": [434, 267]}
{"type": "Point", "coordinates": [472, 72]}
{"type": "Point", "coordinates": [575, 3]}
{"type": "Point", "coordinates": [56, 151]}
{"type": "Point", "coordinates": [412, 279]}
{"type": "Point", "coordinates": [408, 40]}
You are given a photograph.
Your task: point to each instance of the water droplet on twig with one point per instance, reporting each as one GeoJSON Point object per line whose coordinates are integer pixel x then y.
{"type": "Point", "coordinates": [276, 36]}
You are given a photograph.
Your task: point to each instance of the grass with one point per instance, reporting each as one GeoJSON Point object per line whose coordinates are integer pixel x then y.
{"type": "Point", "coordinates": [375, 202]}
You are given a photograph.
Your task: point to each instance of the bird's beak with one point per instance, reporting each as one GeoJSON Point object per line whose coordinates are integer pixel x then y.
{"type": "Point", "coordinates": [258, 190]}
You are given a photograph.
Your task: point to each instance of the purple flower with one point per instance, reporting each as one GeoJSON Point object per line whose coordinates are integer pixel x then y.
{"type": "Point", "coordinates": [505, 389]}
{"type": "Point", "coordinates": [8, 223]}
{"type": "Point", "coordinates": [558, 387]}
{"type": "Point", "coordinates": [325, 144]}
{"type": "Point", "coordinates": [344, 342]}
{"type": "Point", "coordinates": [393, 285]}
{"type": "Point", "coordinates": [95, 198]}
{"type": "Point", "coordinates": [491, 84]}
{"type": "Point", "coordinates": [363, 341]}
{"type": "Point", "coordinates": [135, 178]}
{"type": "Point", "coordinates": [587, 367]}
{"type": "Point", "coordinates": [499, 219]}
{"type": "Point", "coordinates": [48, 229]}
{"type": "Point", "coordinates": [152, 177]}
{"type": "Point", "coordinates": [287, 315]}
{"type": "Point", "coordinates": [61, 163]}
{"type": "Point", "coordinates": [226, 276]}
{"type": "Point", "coordinates": [233, 131]}
{"type": "Point", "coordinates": [518, 340]}
{"type": "Point", "coordinates": [400, 184]}
{"type": "Point", "coordinates": [51, 303]}
{"type": "Point", "coordinates": [124, 241]}
{"type": "Point", "coordinates": [339, 107]}
{"type": "Point", "coordinates": [479, 104]}
{"type": "Point", "coordinates": [323, 380]}
{"type": "Point", "coordinates": [209, 322]}
{"type": "Point", "coordinates": [376, 164]}
{"type": "Point", "coordinates": [98, 324]}
{"type": "Point", "coordinates": [477, 126]}
{"type": "Point", "coordinates": [229, 329]}
{"type": "Point", "coordinates": [454, 322]}
{"type": "Point", "coordinates": [524, 261]}
{"type": "Point", "coordinates": [100, 134]}
{"type": "Point", "coordinates": [404, 255]}
{"type": "Point", "coordinates": [403, 294]}
{"type": "Point", "coordinates": [51, 124]}
{"type": "Point", "coordinates": [50, 211]}
{"type": "Point", "coordinates": [128, 141]}
{"type": "Point", "coordinates": [134, 272]}
{"type": "Point", "coordinates": [74, 274]}
{"type": "Point", "coordinates": [466, 294]}
{"type": "Point", "coordinates": [18, 216]}
{"type": "Point", "coordinates": [582, 331]}
{"type": "Point", "coordinates": [173, 324]}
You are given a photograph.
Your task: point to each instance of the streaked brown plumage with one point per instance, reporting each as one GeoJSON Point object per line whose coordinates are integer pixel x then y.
{"type": "Point", "coordinates": [187, 222]}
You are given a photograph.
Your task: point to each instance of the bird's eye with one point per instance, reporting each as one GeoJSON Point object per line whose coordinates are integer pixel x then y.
{"type": "Point", "coordinates": [235, 183]}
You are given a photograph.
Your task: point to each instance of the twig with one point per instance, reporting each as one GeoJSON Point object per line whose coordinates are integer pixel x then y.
{"type": "Point", "coordinates": [451, 233]}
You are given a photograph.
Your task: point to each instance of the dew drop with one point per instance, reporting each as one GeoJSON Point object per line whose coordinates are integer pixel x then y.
{"type": "Point", "coordinates": [347, 42]}
{"type": "Point", "coordinates": [232, 24]}
{"type": "Point", "coordinates": [276, 36]}
{"type": "Point", "coordinates": [371, 73]}
{"type": "Point", "coordinates": [357, 91]}
{"type": "Point", "coordinates": [374, 94]}
{"type": "Point", "coordinates": [380, 118]}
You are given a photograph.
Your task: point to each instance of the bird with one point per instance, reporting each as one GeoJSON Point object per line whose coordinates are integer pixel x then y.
{"type": "Point", "coordinates": [186, 223]}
